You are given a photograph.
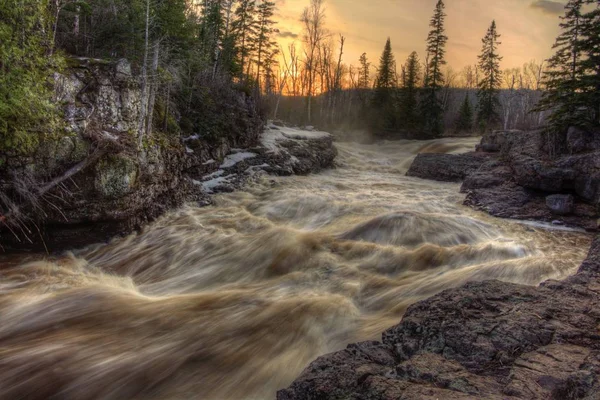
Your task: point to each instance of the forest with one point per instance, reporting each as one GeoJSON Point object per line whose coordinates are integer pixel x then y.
{"type": "Point", "coordinates": [192, 58]}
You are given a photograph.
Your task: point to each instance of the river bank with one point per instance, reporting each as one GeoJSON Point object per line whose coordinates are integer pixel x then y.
{"type": "Point", "coordinates": [491, 339]}
{"type": "Point", "coordinates": [93, 181]}
{"type": "Point", "coordinates": [235, 299]}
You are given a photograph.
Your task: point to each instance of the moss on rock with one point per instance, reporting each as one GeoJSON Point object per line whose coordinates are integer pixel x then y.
{"type": "Point", "coordinates": [116, 176]}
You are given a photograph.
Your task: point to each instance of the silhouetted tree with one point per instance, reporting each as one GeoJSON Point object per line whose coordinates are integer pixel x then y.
{"type": "Point", "coordinates": [464, 121]}
{"type": "Point", "coordinates": [489, 85]}
{"type": "Point", "coordinates": [432, 109]}
{"type": "Point", "coordinates": [411, 76]}
{"type": "Point", "coordinates": [364, 72]}
{"type": "Point", "coordinates": [565, 72]}
{"type": "Point", "coordinates": [384, 100]}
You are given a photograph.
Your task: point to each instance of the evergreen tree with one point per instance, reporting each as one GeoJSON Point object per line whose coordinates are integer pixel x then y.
{"type": "Point", "coordinates": [210, 31]}
{"type": "Point", "coordinates": [26, 109]}
{"type": "Point", "coordinates": [464, 121]}
{"type": "Point", "coordinates": [411, 76]}
{"type": "Point", "coordinates": [244, 28]}
{"type": "Point", "coordinates": [386, 74]}
{"type": "Point", "coordinates": [432, 109]}
{"type": "Point", "coordinates": [384, 102]}
{"type": "Point", "coordinates": [590, 63]}
{"type": "Point", "coordinates": [364, 72]}
{"type": "Point", "coordinates": [266, 47]}
{"type": "Point", "coordinates": [564, 71]}
{"type": "Point", "coordinates": [489, 85]}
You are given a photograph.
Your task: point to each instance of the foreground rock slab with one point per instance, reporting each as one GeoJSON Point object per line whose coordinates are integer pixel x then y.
{"type": "Point", "coordinates": [489, 340]}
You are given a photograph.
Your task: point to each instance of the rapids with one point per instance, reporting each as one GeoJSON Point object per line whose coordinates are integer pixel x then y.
{"type": "Point", "coordinates": [232, 301]}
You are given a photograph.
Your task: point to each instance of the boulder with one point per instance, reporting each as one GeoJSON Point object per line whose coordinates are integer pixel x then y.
{"type": "Point", "coordinates": [560, 204]}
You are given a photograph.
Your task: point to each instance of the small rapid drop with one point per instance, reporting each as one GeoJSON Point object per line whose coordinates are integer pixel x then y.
{"type": "Point", "coordinates": [232, 301]}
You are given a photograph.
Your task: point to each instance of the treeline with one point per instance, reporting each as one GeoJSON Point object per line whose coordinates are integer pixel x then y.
{"type": "Point", "coordinates": [426, 98]}
{"type": "Point", "coordinates": [194, 58]}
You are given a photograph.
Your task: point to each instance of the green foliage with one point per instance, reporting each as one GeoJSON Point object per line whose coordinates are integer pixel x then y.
{"type": "Point", "coordinates": [245, 29]}
{"type": "Point", "coordinates": [431, 106]}
{"type": "Point", "coordinates": [573, 76]}
{"type": "Point", "coordinates": [464, 121]}
{"type": "Point", "coordinates": [27, 113]}
{"type": "Point", "coordinates": [489, 85]}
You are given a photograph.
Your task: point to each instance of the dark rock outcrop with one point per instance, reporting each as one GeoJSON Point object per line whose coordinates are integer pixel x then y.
{"type": "Point", "coordinates": [118, 188]}
{"type": "Point", "coordinates": [445, 167]}
{"type": "Point", "coordinates": [513, 173]}
{"type": "Point", "coordinates": [489, 340]}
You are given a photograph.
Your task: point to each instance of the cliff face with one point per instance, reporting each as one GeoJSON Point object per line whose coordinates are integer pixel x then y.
{"type": "Point", "coordinates": [111, 186]}
{"type": "Point", "coordinates": [94, 183]}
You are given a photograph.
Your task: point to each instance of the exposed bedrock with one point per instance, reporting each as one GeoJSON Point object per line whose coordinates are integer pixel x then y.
{"type": "Point", "coordinates": [526, 175]}
{"type": "Point", "coordinates": [489, 340]}
{"type": "Point", "coordinates": [94, 183]}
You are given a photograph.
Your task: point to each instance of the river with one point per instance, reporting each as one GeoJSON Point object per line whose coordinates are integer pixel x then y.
{"type": "Point", "coordinates": [232, 301]}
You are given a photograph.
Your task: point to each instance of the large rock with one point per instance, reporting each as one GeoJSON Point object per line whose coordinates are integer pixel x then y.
{"type": "Point", "coordinates": [487, 340]}
{"type": "Point", "coordinates": [445, 167]}
{"type": "Point", "coordinates": [491, 173]}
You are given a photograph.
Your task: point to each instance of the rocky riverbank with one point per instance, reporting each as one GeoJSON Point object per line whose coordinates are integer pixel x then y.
{"type": "Point", "coordinates": [95, 182]}
{"type": "Point", "coordinates": [489, 340]}
{"type": "Point", "coordinates": [519, 175]}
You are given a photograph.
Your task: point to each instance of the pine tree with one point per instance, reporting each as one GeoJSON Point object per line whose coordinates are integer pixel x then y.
{"type": "Point", "coordinates": [432, 109]}
{"type": "Point", "coordinates": [265, 45]}
{"type": "Point", "coordinates": [384, 100]}
{"type": "Point", "coordinates": [244, 28]}
{"type": "Point", "coordinates": [590, 64]}
{"type": "Point", "coordinates": [464, 121]}
{"type": "Point", "coordinates": [411, 77]}
{"type": "Point", "coordinates": [489, 85]}
{"type": "Point", "coordinates": [364, 72]}
{"type": "Point", "coordinates": [386, 76]}
{"type": "Point", "coordinates": [564, 72]}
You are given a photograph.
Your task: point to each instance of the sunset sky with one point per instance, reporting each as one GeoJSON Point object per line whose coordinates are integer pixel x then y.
{"type": "Point", "coordinates": [528, 27]}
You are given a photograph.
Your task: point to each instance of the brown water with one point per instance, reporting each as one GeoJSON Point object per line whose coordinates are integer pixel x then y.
{"type": "Point", "coordinates": [233, 301]}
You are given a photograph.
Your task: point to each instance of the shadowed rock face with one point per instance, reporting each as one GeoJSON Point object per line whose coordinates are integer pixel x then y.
{"type": "Point", "coordinates": [487, 340]}
{"type": "Point", "coordinates": [445, 167]}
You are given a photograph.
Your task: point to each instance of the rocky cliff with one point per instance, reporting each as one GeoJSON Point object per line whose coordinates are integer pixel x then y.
{"type": "Point", "coordinates": [93, 182]}
{"type": "Point", "coordinates": [516, 174]}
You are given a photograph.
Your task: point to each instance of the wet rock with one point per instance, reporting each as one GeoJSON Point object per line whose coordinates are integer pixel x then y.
{"type": "Point", "coordinates": [533, 173]}
{"type": "Point", "coordinates": [489, 340]}
{"type": "Point", "coordinates": [445, 167]}
{"type": "Point", "coordinates": [490, 174]}
{"type": "Point", "coordinates": [561, 204]}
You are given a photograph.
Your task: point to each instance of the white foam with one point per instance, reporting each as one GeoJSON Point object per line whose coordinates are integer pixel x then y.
{"type": "Point", "coordinates": [235, 158]}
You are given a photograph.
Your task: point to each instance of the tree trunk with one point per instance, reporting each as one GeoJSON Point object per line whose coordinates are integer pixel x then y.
{"type": "Point", "coordinates": [153, 87]}
{"type": "Point", "coordinates": [144, 89]}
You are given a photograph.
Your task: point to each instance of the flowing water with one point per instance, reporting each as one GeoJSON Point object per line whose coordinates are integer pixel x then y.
{"type": "Point", "coordinates": [232, 301]}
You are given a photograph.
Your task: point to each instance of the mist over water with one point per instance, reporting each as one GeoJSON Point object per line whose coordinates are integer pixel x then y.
{"type": "Point", "coordinates": [233, 301]}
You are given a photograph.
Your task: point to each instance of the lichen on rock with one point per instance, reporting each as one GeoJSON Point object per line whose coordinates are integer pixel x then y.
{"type": "Point", "coordinates": [116, 176]}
